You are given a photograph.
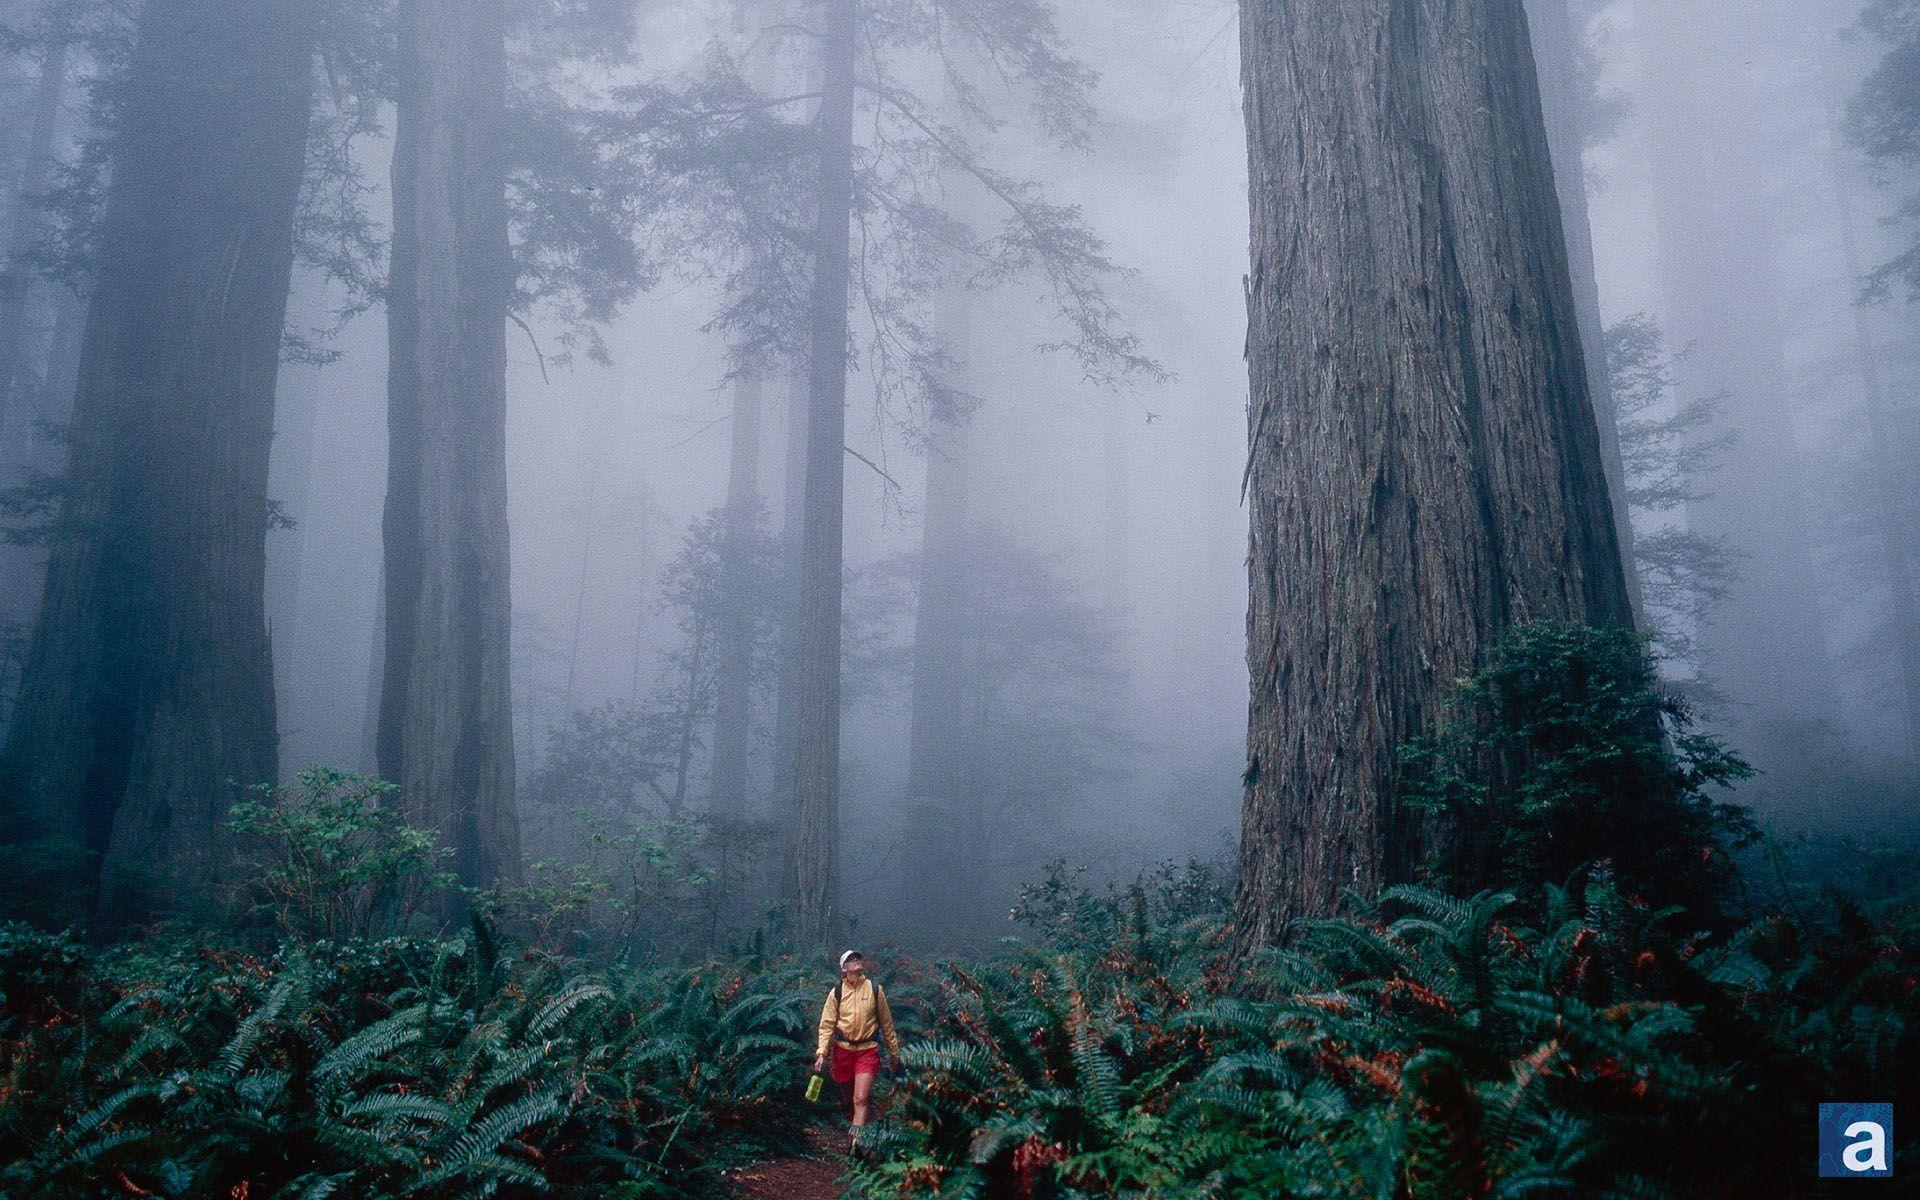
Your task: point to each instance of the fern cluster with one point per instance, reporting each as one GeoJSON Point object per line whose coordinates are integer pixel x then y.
{"type": "Point", "coordinates": [388, 1068]}
{"type": "Point", "coordinates": [1427, 1048]}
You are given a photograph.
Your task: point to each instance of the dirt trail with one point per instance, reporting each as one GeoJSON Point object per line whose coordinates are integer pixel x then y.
{"type": "Point", "coordinates": [811, 1178]}
{"type": "Point", "coordinates": [788, 1179]}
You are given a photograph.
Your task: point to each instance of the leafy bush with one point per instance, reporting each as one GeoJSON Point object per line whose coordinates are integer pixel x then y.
{"type": "Point", "coordinates": [627, 890]}
{"type": "Point", "coordinates": [335, 860]}
{"type": "Point", "coordinates": [1566, 749]}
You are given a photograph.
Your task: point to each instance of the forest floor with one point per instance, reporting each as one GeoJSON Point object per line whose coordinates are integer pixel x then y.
{"type": "Point", "coordinates": [815, 1176]}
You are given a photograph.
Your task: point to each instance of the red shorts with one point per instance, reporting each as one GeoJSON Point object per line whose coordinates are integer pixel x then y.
{"type": "Point", "coordinates": [848, 1063]}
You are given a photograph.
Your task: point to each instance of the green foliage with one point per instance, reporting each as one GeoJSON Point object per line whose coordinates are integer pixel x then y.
{"type": "Point", "coordinates": [1669, 450]}
{"type": "Point", "coordinates": [336, 860]}
{"type": "Point", "coordinates": [389, 1068]}
{"type": "Point", "coordinates": [1162, 916]}
{"type": "Point", "coordinates": [1564, 749]}
{"type": "Point", "coordinates": [1430, 1046]}
{"type": "Point", "coordinates": [632, 890]}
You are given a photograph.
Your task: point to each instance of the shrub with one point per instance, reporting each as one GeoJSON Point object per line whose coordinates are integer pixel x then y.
{"type": "Point", "coordinates": [1566, 749]}
{"type": "Point", "coordinates": [335, 859]}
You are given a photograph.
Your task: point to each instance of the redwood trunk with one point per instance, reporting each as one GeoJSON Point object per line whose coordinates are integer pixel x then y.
{"type": "Point", "coordinates": [1889, 488]}
{"type": "Point", "coordinates": [149, 693]}
{"type": "Point", "coordinates": [17, 281]}
{"type": "Point", "coordinates": [23, 401]}
{"type": "Point", "coordinates": [1556, 50]}
{"type": "Point", "coordinates": [734, 681]}
{"type": "Point", "coordinates": [937, 854]}
{"type": "Point", "coordinates": [1425, 465]}
{"type": "Point", "coordinates": [812, 869]}
{"type": "Point", "coordinates": [733, 700]}
{"type": "Point", "coordinates": [446, 728]}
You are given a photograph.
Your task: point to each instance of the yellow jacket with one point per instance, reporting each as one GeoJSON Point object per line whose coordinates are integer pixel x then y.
{"type": "Point", "coordinates": [856, 1018]}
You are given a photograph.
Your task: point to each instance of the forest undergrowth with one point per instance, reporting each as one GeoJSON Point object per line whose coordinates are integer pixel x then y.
{"type": "Point", "coordinates": [1429, 1046]}
{"type": "Point", "coordinates": [1565, 1036]}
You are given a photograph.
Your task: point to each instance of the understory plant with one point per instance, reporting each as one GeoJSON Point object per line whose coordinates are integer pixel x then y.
{"type": "Point", "coordinates": [401, 1067]}
{"type": "Point", "coordinates": [1426, 1047]}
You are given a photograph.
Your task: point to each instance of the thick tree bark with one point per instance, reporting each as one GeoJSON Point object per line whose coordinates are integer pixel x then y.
{"type": "Point", "coordinates": [446, 728]}
{"type": "Point", "coordinates": [1425, 466]}
{"type": "Point", "coordinates": [733, 682]}
{"type": "Point", "coordinates": [1556, 52]}
{"type": "Point", "coordinates": [149, 691]}
{"type": "Point", "coordinates": [811, 873]}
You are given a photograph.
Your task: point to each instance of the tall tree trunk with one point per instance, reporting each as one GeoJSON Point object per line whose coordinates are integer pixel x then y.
{"type": "Point", "coordinates": [1425, 467]}
{"type": "Point", "coordinates": [446, 728]}
{"type": "Point", "coordinates": [149, 685]}
{"type": "Point", "coordinates": [1890, 487]}
{"type": "Point", "coordinates": [29, 399]}
{"type": "Point", "coordinates": [580, 582]}
{"type": "Point", "coordinates": [935, 832]}
{"type": "Point", "coordinates": [733, 682]}
{"type": "Point", "coordinates": [811, 872]}
{"type": "Point", "coordinates": [733, 676]}
{"type": "Point", "coordinates": [25, 224]}
{"type": "Point", "coordinates": [23, 569]}
{"type": "Point", "coordinates": [793, 504]}
{"type": "Point", "coordinates": [290, 483]}
{"type": "Point", "coordinates": [1764, 644]}
{"type": "Point", "coordinates": [1556, 51]}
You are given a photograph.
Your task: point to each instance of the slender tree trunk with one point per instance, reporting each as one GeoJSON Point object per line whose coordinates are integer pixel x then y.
{"type": "Point", "coordinates": [1890, 487]}
{"type": "Point", "coordinates": [733, 678]}
{"type": "Point", "coordinates": [17, 280]}
{"type": "Point", "coordinates": [691, 711]}
{"type": "Point", "coordinates": [290, 484]}
{"type": "Point", "coordinates": [1556, 50]}
{"type": "Point", "coordinates": [935, 827]}
{"type": "Point", "coordinates": [24, 400]}
{"type": "Point", "coordinates": [733, 701]}
{"type": "Point", "coordinates": [1118, 567]}
{"type": "Point", "coordinates": [1426, 469]}
{"type": "Point", "coordinates": [580, 587]}
{"type": "Point", "coordinates": [23, 569]}
{"type": "Point", "coordinates": [446, 728]}
{"type": "Point", "coordinates": [643, 588]}
{"type": "Point", "coordinates": [786, 720]}
{"type": "Point", "coordinates": [149, 684]}
{"type": "Point", "coordinates": [812, 869]}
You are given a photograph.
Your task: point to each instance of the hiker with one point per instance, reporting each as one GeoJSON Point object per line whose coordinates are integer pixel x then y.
{"type": "Point", "coordinates": [853, 1020]}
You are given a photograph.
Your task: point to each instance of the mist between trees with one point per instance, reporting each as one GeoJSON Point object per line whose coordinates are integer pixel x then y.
{"type": "Point", "coordinates": [1332, 585]}
{"type": "Point", "coordinates": [820, 429]}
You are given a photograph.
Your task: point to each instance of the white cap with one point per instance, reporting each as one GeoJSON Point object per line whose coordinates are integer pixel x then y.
{"type": "Point", "coordinates": [850, 954]}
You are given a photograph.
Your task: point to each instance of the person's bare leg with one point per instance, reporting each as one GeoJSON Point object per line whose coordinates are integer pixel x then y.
{"type": "Point", "coordinates": [862, 1097]}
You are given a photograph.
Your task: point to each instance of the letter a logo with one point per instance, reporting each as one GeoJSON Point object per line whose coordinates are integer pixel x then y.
{"type": "Point", "coordinates": [1856, 1141]}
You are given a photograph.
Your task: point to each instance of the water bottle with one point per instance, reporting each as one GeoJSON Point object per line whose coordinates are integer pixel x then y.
{"type": "Point", "coordinates": [813, 1088]}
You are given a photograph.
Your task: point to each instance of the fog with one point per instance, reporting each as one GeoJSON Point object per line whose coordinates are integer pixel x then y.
{"type": "Point", "coordinates": [1729, 208]}
{"type": "Point", "coordinates": [1132, 498]}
